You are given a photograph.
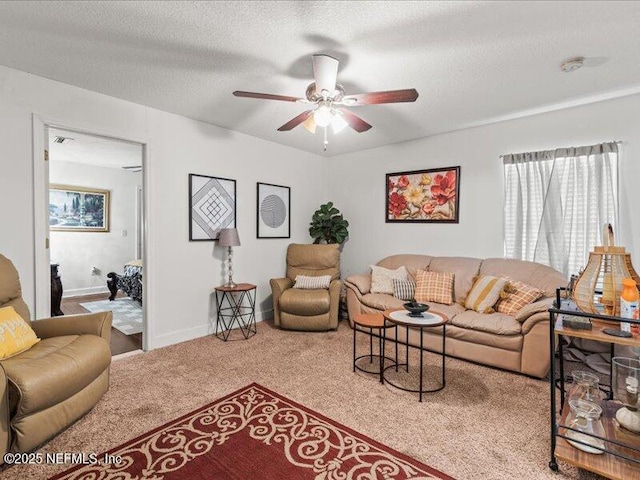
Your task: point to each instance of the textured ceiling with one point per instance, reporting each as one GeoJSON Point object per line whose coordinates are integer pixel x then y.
{"type": "Point", "coordinates": [471, 62]}
{"type": "Point", "coordinates": [93, 150]}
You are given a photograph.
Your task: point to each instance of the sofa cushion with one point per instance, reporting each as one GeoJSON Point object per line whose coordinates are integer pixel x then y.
{"type": "Point", "coordinates": [382, 278]}
{"type": "Point", "coordinates": [404, 289]}
{"type": "Point", "coordinates": [504, 342]}
{"type": "Point", "coordinates": [313, 260]}
{"type": "Point", "coordinates": [448, 311]}
{"type": "Point", "coordinates": [434, 287]}
{"type": "Point", "coordinates": [53, 370]}
{"type": "Point", "coordinates": [10, 285]}
{"type": "Point", "coordinates": [464, 269]}
{"type": "Point", "coordinates": [496, 323]}
{"type": "Point", "coordinates": [539, 276]}
{"type": "Point", "coordinates": [412, 262]}
{"type": "Point", "coordinates": [382, 301]}
{"type": "Point", "coordinates": [305, 302]}
{"type": "Point", "coordinates": [484, 294]}
{"type": "Point", "coordinates": [520, 295]}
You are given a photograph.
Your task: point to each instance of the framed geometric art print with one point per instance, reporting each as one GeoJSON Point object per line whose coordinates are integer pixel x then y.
{"type": "Point", "coordinates": [273, 211]}
{"type": "Point", "coordinates": [212, 206]}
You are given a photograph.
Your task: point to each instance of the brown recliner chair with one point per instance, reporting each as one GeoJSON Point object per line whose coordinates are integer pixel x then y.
{"type": "Point", "coordinates": [46, 388]}
{"type": "Point", "coordinates": [313, 310]}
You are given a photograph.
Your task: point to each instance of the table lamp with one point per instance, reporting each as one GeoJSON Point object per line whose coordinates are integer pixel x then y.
{"type": "Point", "coordinates": [229, 238]}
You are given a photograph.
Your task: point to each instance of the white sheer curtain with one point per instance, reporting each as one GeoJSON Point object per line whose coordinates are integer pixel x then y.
{"type": "Point", "coordinates": [556, 203]}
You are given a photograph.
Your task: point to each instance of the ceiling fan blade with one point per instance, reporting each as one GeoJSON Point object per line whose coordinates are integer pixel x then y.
{"type": "Point", "coordinates": [310, 124]}
{"type": "Point", "coordinates": [354, 121]}
{"type": "Point", "coordinates": [325, 72]}
{"type": "Point", "coordinates": [266, 96]}
{"type": "Point", "coordinates": [374, 98]}
{"type": "Point", "coordinates": [294, 122]}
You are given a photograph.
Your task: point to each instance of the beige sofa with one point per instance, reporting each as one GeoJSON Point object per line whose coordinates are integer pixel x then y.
{"type": "Point", "coordinates": [519, 343]}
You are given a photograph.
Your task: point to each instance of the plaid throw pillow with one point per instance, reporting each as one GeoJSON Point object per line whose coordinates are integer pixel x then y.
{"type": "Point", "coordinates": [521, 295]}
{"type": "Point", "coordinates": [434, 287]}
{"type": "Point", "coordinates": [484, 294]}
{"type": "Point", "coordinates": [312, 283]}
{"type": "Point", "coordinates": [404, 289]}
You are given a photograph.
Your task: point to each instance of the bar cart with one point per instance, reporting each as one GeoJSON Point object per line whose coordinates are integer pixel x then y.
{"type": "Point", "coordinates": [619, 456]}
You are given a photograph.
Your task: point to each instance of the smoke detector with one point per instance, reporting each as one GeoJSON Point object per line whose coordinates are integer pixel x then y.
{"type": "Point", "coordinates": [572, 64]}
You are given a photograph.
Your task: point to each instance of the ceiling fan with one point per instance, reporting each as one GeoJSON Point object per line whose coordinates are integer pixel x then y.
{"type": "Point", "coordinates": [329, 101]}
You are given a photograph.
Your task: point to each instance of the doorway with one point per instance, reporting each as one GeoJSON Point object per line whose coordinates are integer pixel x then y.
{"type": "Point", "coordinates": [95, 224]}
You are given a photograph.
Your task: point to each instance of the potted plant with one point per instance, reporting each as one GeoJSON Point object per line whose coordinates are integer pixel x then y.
{"type": "Point", "coordinates": [328, 225]}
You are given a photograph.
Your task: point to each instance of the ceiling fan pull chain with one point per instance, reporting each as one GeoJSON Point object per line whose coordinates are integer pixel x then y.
{"type": "Point", "coordinates": [326, 141]}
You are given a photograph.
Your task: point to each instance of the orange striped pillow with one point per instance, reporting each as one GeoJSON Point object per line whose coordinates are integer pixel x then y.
{"type": "Point", "coordinates": [434, 287]}
{"type": "Point", "coordinates": [521, 296]}
{"type": "Point", "coordinates": [484, 294]}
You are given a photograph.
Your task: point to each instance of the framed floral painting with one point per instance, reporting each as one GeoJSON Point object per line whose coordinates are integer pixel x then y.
{"type": "Point", "coordinates": [423, 196]}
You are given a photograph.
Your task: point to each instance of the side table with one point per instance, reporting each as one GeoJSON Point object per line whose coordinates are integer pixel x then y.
{"type": "Point", "coordinates": [361, 323]}
{"type": "Point", "coordinates": [428, 320]}
{"type": "Point", "coordinates": [232, 308]}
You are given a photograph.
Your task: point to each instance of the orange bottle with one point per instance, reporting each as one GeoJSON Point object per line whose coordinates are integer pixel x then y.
{"type": "Point", "coordinates": [629, 302]}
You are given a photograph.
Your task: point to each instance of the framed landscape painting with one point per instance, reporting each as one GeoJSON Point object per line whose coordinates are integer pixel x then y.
{"type": "Point", "coordinates": [273, 211]}
{"type": "Point", "coordinates": [78, 209]}
{"type": "Point", "coordinates": [212, 206]}
{"type": "Point", "coordinates": [427, 196]}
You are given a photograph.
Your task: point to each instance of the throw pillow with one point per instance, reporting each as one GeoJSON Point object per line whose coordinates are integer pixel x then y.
{"type": "Point", "coordinates": [484, 294]}
{"type": "Point", "coordinates": [312, 283]}
{"type": "Point", "coordinates": [434, 287]}
{"type": "Point", "coordinates": [382, 278]}
{"type": "Point", "coordinates": [521, 295]}
{"type": "Point", "coordinates": [404, 289]}
{"type": "Point", "coordinates": [16, 335]}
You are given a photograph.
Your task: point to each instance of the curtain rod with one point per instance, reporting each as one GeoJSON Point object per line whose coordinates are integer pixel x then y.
{"type": "Point", "coordinates": [617, 142]}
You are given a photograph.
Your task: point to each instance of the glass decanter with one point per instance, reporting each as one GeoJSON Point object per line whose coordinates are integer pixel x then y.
{"type": "Point", "coordinates": [584, 419]}
{"type": "Point", "coordinates": [585, 386]}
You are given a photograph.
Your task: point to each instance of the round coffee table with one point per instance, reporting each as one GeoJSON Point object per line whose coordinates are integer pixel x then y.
{"type": "Point", "coordinates": [370, 321]}
{"type": "Point", "coordinates": [428, 320]}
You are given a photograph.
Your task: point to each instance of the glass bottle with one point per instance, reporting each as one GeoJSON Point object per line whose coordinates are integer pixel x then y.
{"type": "Point", "coordinates": [584, 419]}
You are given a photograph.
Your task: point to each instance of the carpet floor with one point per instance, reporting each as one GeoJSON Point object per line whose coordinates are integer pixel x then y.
{"type": "Point", "coordinates": [486, 423]}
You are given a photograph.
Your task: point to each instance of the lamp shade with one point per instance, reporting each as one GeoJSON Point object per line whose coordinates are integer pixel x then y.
{"type": "Point", "coordinates": [229, 237]}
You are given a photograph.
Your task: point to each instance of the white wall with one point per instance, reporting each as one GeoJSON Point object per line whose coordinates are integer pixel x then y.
{"type": "Point", "coordinates": [78, 252]}
{"type": "Point", "coordinates": [180, 275]}
{"type": "Point", "coordinates": [357, 181]}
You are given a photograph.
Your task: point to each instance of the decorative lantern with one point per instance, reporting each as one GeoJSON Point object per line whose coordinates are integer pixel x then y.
{"type": "Point", "coordinates": [607, 266]}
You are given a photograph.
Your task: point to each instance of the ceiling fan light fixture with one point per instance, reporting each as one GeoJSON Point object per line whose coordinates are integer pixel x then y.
{"type": "Point", "coordinates": [338, 123]}
{"type": "Point", "coordinates": [322, 116]}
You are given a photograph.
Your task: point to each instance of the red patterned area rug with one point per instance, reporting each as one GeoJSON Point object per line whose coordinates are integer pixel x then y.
{"type": "Point", "coordinates": [255, 433]}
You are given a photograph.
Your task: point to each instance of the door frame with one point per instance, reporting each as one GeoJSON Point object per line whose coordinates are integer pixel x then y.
{"type": "Point", "coordinates": [42, 254]}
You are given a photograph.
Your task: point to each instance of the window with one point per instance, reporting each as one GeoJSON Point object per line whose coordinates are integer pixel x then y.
{"type": "Point", "coordinates": [557, 202]}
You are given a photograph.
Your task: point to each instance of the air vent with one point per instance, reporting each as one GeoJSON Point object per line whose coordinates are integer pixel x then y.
{"type": "Point", "coordinates": [58, 139]}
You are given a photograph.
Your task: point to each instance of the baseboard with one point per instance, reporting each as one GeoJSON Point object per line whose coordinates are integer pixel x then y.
{"type": "Point", "coordinates": [179, 336]}
{"type": "Point", "coordinates": [79, 292]}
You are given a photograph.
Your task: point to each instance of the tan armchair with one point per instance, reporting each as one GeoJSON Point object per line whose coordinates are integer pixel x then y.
{"type": "Point", "coordinates": [314, 310]}
{"type": "Point", "coordinates": [46, 388]}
